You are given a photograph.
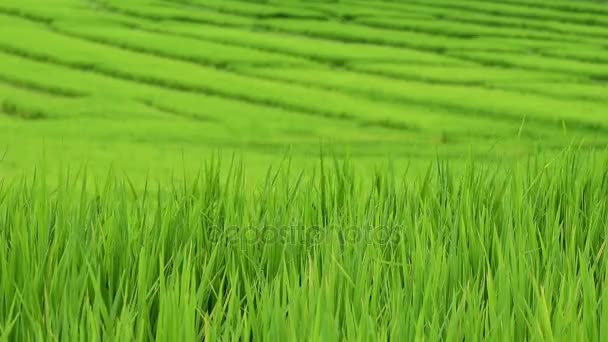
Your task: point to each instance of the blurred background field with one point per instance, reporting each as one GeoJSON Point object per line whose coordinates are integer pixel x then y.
{"type": "Point", "coordinates": [148, 86]}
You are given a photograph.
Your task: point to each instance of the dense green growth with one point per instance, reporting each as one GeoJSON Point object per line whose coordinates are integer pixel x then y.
{"type": "Point", "coordinates": [501, 238]}
{"type": "Point", "coordinates": [507, 253]}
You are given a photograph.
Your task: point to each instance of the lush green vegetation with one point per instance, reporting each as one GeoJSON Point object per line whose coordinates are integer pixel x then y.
{"type": "Point", "coordinates": [149, 85]}
{"type": "Point", "coordinates": [501, 238]}
{"type": "Point", "coordinates": [514, 253]}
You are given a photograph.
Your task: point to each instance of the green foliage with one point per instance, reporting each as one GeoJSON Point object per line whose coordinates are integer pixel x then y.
{"type": "Point", "coordinates": [502, 238]}
{"type": "Point", "coordinates": [147, 84]}
{"type": "Point", "coordinates": [504, 253]}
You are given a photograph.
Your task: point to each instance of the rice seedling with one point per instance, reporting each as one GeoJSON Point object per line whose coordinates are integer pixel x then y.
{"type": "Point", "coordinates": [511, 252]}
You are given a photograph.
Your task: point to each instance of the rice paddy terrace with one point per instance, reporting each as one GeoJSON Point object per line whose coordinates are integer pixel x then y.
{"type": "Point", "coordinates": [467, 250]}
{"type": "Point", "coordinates": [144, 83]}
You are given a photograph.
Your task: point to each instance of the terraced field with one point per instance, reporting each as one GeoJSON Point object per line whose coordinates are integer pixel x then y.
{"type": "Point", "coordinates": [148, 84]}
{"type": "Point", "coordinates": [420, 170]}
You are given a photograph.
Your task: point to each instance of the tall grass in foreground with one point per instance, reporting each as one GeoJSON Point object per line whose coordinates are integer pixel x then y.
{"type": "Point", "coordinates": [497, 253]}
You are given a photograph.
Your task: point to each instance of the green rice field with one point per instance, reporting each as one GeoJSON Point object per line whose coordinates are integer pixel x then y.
{"type": "Point", "coordinates": [250, 170]}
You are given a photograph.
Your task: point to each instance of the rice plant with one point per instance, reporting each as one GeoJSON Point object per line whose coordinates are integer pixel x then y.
{"type": "Point", "coordinates": [511, 252]}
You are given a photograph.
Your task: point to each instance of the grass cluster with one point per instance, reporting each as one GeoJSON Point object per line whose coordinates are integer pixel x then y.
{"type": "Point", "coordinates": [511, 252]}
